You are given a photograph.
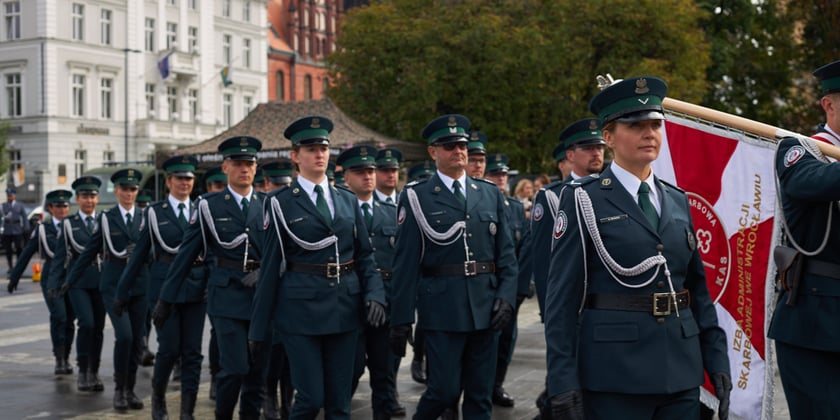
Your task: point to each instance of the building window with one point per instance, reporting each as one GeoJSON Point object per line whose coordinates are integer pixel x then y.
{"type": "Point", "coordinates": [107, 155]}
{"type": "Point", "coordinates": [171, 35]}
{"type": "Point", "coordinates": [306, 45]}
{"type": "Point", "coordinates": [13, 95]}
{"type": "Point", "coordinates": [12, 9]}
{"type": "Point", "coordinates": [193, 4]}
{"type": "Point", "coordinates": [150, 35]}
{"type": "Point", "coordinates": [279, 87]}
{"type": "Point", "coordinates": [226, 41]}
{"type": "Point", "coordinates": [193, 104]}
{"type": "Point", "coordinates": [247, 103]}
{"type": "Point", "coordinates": [226, 8]}
{"type": "Point", "coordinates": [172, 2]}
{"type": "Point", "coordinates": [78, 95]}
{"type": "Point", "coordinates": [246, 10]}
{"type": "Point", "coordinates": [15, 166]}
{"type": "Point", "coordinates": [192, 39]}
{"type": "Point", "coordinates": [106, 98]}
{"type": "Point", "coordinates": [78, 22]}
{"type": "Point", "coordinates": [62, 173]}
{"type": "Point", "coordinates": [150, 99]}
{"type": "Point", "coordinates": [246, 53]}
{"type": "Point", "coordinates": [105, 27]}
{"type": "Point", "coordinates": [307, 87]}
{"type": "Point", "coordinates": [81, 162]}
{"type": "Point", "coordinates": [227, 109]}
{"type": "Point", "coordinates": [172, 100]}
{"type": "Point", "coordinates": [325, 87]}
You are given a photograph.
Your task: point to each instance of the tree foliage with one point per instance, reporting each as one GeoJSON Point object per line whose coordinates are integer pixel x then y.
{"type": "Point", "coordinates": [521, 70]}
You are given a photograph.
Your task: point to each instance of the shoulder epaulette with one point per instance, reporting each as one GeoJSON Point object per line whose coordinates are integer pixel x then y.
{"type": "Point", "coordinates": [554, 184]}
{"type": "Point", "coordinates": [384, 203]}
{"type": "Point", "coordinates": [583, 181]}
{"type": "Point", "coordinates": [484, 181]}
{"type": "Point", "coordinates": [416, 182]}
{"type": "Point", "coordinates": [345, 188]}
{"type": "Point", "coordinates": [671, 185]}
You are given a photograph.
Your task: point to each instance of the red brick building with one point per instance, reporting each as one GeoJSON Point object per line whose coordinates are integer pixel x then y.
{"type": "Point", "coordinates": [301, 34]}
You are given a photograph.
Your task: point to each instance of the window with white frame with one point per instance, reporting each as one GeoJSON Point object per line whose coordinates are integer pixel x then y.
{"type": "Point", "coordinates": [78, 95]}
{"type": "Point", "coordinates": [172, 100]}
{"type": "Point", "coordinates": [78, 21]}
{"type": "Point", "coordinates": [192, 103]}
{"type": "Point", "coordinates": [171, 34]}
{"type": "Point", "coordinates": [107, 155]}
{"type": "Point", "coordinates": [12, 19]}
{"type": "Point", "coordinates": [226, 8]}
{"type": "Point", "coordinates": [246, 53]}
{"type": "Point", "coordinates": [247, 103]}
{"type": "Point", "coordinates": [150, 35]}
{"type": "Point", "coordinates": [150, 99]}
{"type": "Point", "coordinates": [14, 162]}
{"type": "Point", "coordinates": [81, 162]}
{"type": "Point", "coordinates": [226, 52]}
{"type": "Point", "coordinates": [106, 98]}
{"type": "Point", "coordinates": [227, 109]}
{"type": "Point", "coordinates": [192, 39]}
{"type": "Point", "coordinates": [14, 104]}
{"type": "Point", "coordinates": [105, 17]}
{"type": "Point", "coordinates": [246, 10]}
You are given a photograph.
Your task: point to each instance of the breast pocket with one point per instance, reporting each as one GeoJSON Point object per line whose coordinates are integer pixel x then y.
{"type": "Point", "coordinates": [226, 225]}
{"type": "Point", "coordinates": [390, 232]}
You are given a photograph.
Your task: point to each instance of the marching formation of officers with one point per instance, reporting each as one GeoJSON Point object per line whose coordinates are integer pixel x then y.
{"type": "Point", "coordinates": [306, 283]}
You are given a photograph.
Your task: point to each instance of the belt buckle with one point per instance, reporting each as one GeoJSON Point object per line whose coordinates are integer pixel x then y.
{"type": "Point", "coordinates": [333, 269]}
{"type": "Point", "coordinates": [470, 268]}
{"type": "Point", "coordinates": [660, 297]}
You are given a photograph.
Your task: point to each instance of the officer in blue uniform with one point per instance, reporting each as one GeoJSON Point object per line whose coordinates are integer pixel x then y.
{"type": "Point", "coordinates": [44, 239]}
{"type": "Point", "coordinates": [804, 323]}
{"type": "Point", "coordinates": [83, 290]}
{"type": "Point", "coordinates": [318, 276]}
{"type": "Point", "coordinates": [144, 198]}
{"type": "Point", "coordinates": [629, 324]}
{"type": "Point", "coordinates": [114, 239]}
{"type": "Point", "coordinates": [462, 282]}
{"type": "Point", "coordinates": [388, 162]}
{"type": "Point", "coordinates": [179, 338]}
{"type": "Point", "coordinates": [359, 165]}
{"type": "Point", "coordinates": [225, 225]}
{"type": "Point", "coordinates": [214, 180]}
{"type": "Point", "coordinates": [476, 154]}
{"type": "Point", "coordinates": [496, 171]}
{"type": "Point", "coordinates": [15, 225]}
{"type": "Point", "coordinates": [422, 170]}
{"type": "Point", "coordinates": [278, 174]}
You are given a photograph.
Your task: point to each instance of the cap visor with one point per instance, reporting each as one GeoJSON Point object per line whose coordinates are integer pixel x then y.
{"type": "Point", "coordinates": [450, 139]}
{"type": "Point", "coordinates": [183, 174]}
{"type": "Point", "coordinates": [641, 116]}
{"type": "Point", "coordinates": [248, 157]}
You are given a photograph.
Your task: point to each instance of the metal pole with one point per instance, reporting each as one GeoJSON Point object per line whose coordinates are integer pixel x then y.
{"type": "Point", "coordinates": [125, 94]}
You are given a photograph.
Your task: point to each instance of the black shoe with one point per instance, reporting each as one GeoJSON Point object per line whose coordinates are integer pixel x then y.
{"type": "Point", "coordinates": [59, 366]}
{"type": "Point", "coordinates": [502, 398]}
{"type": "Point", "coordinates": [120, 402]}
{"type": "Point", "coordinates": [134, 402]}
{"type": "Point", "coordinates": [159, 402]}
{"type": "Point", "coordinates": [187, 406]}
{"type": "Point", "coordinates": [378, 415]}
{"type": "Point", "coordinates": [68, 368]}
{"type": "Point", "coordinates": [94, 381]}
{"type": "Point", "coordinates": [449, 414]}
{"type": "Point", "coordinates": [417, 371]}
{"type": "Point", "coordinates": [395, 409]}
{"type": "Point", "coordinates": [270, 404]}
{"type": "Point", "coordinates": [82, 381]}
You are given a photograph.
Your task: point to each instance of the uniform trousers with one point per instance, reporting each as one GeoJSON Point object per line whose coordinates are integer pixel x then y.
{"type": "Point", "coordinates": [811, 380]}
{"type": "Point", "coordinates": [180, 338]}
{"type": "Point", "coordinates": [62, 318]}
{"type": "Point", "coordinates": [240, 377]}
{"type": "Point", "coordinates": [611, 405]}
{"type": "Point", "coordinates": [129, 330]}
{"type": "Point", "coordinates": [90, 311]}
{"type": "Point", "coordinates": [373, 350]}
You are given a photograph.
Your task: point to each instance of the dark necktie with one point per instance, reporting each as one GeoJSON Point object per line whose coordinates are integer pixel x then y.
{"type": "Point", "coordinates": [456, 189]}
{"type": "Point", "coordinates": [389, 200]}
{"type": "Point", "coordinates": [321, 204]}
{"type": "Point", "coordinates": [647, 206]}
{"type": "Point", "coordinates": [128, 220]}
{"type": "Point", "coordinates": [244, 203]}
{"type": "Point", "coordinates": [368, 215]}
{"type": "Point", "coordinates": [181, 217]}
{"type": "Point", "coordinates": [89, 221]}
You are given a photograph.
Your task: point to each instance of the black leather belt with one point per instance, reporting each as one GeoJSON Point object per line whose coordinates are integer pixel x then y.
{"type": "Point", "coordinates": [468, 268]}
{"type": "Point", "coordinates": [657, 304]}
{"type": "Point", "coordinates": [386, 274]}
{"type": "Point", "coordinates": [330, 271]}
{"type": "Point", "coordinates": [822, 268]}
{"type": "Point", "coordinates": [170, 258]}
{"type": "Point", "coordinates": [247, 267]}
{"type": "Point", "coordinates": [116, 260]}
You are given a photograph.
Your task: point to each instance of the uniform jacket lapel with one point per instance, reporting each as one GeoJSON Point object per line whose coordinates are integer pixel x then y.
{"type": "Point", "coordinates": [443, 195]}
{"type": "Point", "coordinates": [302, 200]}
{"type": "Point", "coordinates": [669, 204]}
{"type": "Point", "coordinates": [621, 198]}
{"type": "Point", "coordinates": [473, 193]}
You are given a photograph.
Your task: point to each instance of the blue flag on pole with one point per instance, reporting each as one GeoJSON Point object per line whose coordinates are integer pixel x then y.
{"type": "Point", "coordinates": [163, 66]}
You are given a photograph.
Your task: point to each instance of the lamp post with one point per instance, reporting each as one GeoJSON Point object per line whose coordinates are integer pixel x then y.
{"type": "Point", "coordinates": [125, 94]}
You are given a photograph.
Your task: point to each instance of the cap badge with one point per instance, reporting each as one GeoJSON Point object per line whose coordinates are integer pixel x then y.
{"type": "Point", "coordinates": [474, 136]}
{"type": "Point", "coordinates": [316, 123]}
{"type": "Point", "coordinates": [498, 158]}
{"type": "Point", "coordinates": [641, 87]}
{"type": "Point", "coordinates": [363, 151]}
{"type": "Point", "coordinates": [593, 125]}
{"type": "Point", "coordinates": [243, 141]}
{"type": "Point", "coordinates": [452, 122]}
{"type": "Point", "coordinates": [388, 153]}
{"type": "Point", "coordinates": [131, 172]}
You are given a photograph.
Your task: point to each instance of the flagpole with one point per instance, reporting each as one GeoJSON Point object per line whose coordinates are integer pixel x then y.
{"type": "Point", "coordinates": [125, 95]}
{"type": "Point", "coordinates": [741, 123]}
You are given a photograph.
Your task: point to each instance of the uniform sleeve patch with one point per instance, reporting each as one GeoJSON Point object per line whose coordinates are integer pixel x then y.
{"type": "Point", "coordinates": [560, 225]}
{"type": "Point", "coordinates": [793, 155]}
{"type": "Point", "coordinates": [538, 212]}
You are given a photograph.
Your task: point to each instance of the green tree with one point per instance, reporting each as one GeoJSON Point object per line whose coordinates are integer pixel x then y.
{"type": "Point", "coordinates": [521, 70]}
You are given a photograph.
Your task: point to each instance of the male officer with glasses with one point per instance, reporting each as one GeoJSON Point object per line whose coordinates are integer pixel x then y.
{"type": "Point", "coordinates": [463, 281]}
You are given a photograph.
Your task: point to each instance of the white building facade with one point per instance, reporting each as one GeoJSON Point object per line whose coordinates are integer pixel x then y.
{"type": "Point", "coordinates": [82, 81]}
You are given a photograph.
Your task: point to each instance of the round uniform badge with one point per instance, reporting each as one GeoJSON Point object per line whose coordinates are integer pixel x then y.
{"type": "Point", "coordinates": [560, 226]}
{"type": "Point", "coordinates": [793, 155]}
{"type": "Point", "coordinates": [401, 216]}
{"type": "Point", "coordinates": [538, 212]}
{"type": "Point", "coordinates": [492, 228]}
{"type": "Point", "coordinates": [692, 241]}
{"type": "Point", "coordinates": [193, 216]}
